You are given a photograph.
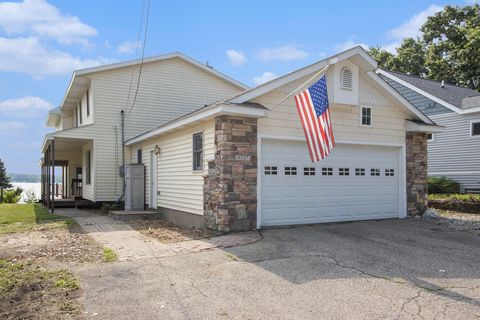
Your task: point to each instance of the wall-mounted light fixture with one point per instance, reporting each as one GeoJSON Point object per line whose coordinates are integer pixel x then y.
{"type": "Point", "coordinates": [157, 149]}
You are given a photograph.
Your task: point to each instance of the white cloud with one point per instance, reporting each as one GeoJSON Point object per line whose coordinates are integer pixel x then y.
{"type": "Point", "coordinates": [348, 45]}
{"type": "Point", "coordinates": [265, 77]}
{"type": "Point", "coordinates": [25, 107]}
{"type": "Point", "coordinates": [409, 28]}
{"type": "Point", "coordinates": [236, 58]}
{"type": "Point", "coordinates": [28, 55]}
{"type": "Point", "coordinates": [12, 125]}
{"type": "Point", "coordinates": [127, 47]}
{"type": "Point", "coordinates": [38, 17]}
{"type": "Point", "coordinates": [284, 53]}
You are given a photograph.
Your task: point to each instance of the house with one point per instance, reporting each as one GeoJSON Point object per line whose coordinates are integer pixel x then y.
{"type": "Point", "coordinates": [455, 152]}
{"type": "Point", "coordinates": [240, 163]}
{"type": "Point", "coordinates": [87, 141]}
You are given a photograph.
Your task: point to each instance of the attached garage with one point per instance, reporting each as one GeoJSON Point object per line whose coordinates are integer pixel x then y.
{"type": "Point", "coordinates": [356, 182]}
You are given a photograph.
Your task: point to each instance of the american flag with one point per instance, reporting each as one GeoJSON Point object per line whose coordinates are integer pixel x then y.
{"type": "Point", "coordinates": [312, 107]}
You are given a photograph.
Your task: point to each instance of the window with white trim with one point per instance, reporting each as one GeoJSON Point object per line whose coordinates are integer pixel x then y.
{"type": "Point", "coordinates": [270, 170]}
{"type": "Point", "coordinates": [359, 171]}
{"type": "Point", "coordinates": [343, 171]}
{"type": "Point", "coordinates": [430, 137]}
{"type": "Point", "coordinates": [347, 78]}
{"type": "Point", "coordinates": [389, 172]}
{"type": "Point", "coordinates": [327, 171]}
{"type": "Point", "coordinates": [375, 172]}
{"type": "Point", "coordinates": [198, 151]}
{"type": "Point", "coordinates": [366, 116]}
{"type": "Point", "coordinates": [290, 171]}
{"type": "Point", "coordinates": [309, 171]}
{"type": "Point", "coordinates": [475, 129]}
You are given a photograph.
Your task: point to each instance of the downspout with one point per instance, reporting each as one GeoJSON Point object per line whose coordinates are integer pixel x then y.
{"type": "Point", "coordinates": [122, 170]}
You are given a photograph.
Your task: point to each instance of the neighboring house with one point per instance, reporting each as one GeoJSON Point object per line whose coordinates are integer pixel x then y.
{"type": "Point", "coordinates": [454, 153]}
{"type": "Point", "coordinates": [87, 141]}
{"type": "Point", "coordinates": [239, 164]}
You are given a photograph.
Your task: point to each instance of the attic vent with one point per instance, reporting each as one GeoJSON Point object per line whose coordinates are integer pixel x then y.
{"type": "Point", "coordinates": [346, 77]}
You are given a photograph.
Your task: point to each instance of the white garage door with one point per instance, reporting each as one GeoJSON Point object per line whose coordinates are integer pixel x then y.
{"type": "Point", "coordinates": [353, 183]}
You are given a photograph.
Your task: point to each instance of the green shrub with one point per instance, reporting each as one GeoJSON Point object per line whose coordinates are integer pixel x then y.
{"type": "Point", "coordinates": [442, 185]}
{"type": "Point", "coordinates": [107, 207]}
{"type": "Point", "coordinates": [12, 195]}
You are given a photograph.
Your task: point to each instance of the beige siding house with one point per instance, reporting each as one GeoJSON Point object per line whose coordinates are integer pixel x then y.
{"type": "Point", "coordinates": [231, 158]}
{"type": "Point", "coordinates": [89, 119]}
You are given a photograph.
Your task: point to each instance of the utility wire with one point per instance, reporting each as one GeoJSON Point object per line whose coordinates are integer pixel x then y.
{"type": "Point", "coordinates": [143, 57]}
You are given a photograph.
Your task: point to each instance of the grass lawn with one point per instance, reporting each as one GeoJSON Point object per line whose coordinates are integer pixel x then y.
{"type": "Point", "coordinates": [29, 217]}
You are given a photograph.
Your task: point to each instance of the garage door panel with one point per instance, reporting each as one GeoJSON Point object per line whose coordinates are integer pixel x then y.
{"type": "Point", "coordinates": [296, 199]}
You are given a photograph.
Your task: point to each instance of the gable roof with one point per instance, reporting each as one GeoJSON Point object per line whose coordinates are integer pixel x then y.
{"type": "Point", "coordinates": [79, 81]}
{"type": "Point", "coordinates": [357, 54]}
{"type": "Point", "coordinates": [457, 98]}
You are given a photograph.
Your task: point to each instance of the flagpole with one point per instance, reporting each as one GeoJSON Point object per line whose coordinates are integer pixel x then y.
{"type": "Point", "coordinates": [300, 86]}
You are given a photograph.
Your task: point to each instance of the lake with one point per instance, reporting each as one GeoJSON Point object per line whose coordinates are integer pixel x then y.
{"type": "Point", "coordinates": [36, 187]}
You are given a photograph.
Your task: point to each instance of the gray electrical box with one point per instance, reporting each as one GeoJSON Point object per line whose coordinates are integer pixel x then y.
{"type": "Point", "coordinates": [135, 186]}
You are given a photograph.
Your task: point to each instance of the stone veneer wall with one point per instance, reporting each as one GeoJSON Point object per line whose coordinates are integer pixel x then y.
{"type": "Point", "coordinates": [230, 189]}
{"type": "Point", "coordinates": [417, 190]}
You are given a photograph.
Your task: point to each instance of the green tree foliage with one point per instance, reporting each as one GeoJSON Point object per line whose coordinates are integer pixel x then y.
{"type": "Point", "coordinates": [4, 180]}
{"type": "Point", "coordinates": [447, 50]}
{"type": "Point", "coordinates": [12, 195]}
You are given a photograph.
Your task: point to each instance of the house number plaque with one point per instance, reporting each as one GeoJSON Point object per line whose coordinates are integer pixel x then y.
{"type": "Point", "coordinates": [243, 157]}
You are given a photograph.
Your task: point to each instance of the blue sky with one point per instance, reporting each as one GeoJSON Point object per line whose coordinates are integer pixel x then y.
{"type": "Point", "coordinates": [42, 42]}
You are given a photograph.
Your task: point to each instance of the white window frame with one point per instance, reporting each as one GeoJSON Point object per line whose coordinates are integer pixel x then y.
{"type": "Point", "coordinates": [361, 117]}
{"type": "Point", "coordinates": [433, 137]}
{"type": "Point", "coordinates": [194, 169]}
{"type": "Point", "coordinates": [471, 129]}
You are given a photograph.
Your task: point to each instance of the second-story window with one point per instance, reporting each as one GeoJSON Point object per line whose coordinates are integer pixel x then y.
{"type": "Point", "coordinates": [80, 112]}
{"type": "Point", "coordinates": [88, 104]}
{"type": "Point", "coordinates": [366, 116]}
{"type": "Point", "coordinates": [139, 155]}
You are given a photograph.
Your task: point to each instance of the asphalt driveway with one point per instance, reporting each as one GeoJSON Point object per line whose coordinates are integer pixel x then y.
{"type": "Point", "coordinates": [363, 270]}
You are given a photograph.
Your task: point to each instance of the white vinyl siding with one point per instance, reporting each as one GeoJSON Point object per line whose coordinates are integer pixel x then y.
{"type": "Point", "coordinates": [454, 153]}
{"type": "Point", "coordinates": [87, 118]}
{"type": "Point", "coordinates": [180, 187]}
{"type": "Point", "coordinates": [389, 116]}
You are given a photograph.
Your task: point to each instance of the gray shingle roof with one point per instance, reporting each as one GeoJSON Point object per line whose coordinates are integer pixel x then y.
{"type": "Point", "coordinates": [455, 95]}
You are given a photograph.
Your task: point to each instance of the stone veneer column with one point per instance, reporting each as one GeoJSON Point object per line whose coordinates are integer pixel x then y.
{"type": "Point", "coordinates": [417, 190]}
{"type": "Point", "coordinates": [230, 189]}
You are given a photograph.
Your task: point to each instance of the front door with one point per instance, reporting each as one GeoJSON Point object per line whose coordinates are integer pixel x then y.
{"type": "Point", "coordinates": [153, 184]}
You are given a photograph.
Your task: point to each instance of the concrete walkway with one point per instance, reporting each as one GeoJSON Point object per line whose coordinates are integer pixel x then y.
{"type": "Point", "coordinates": [130, 244]}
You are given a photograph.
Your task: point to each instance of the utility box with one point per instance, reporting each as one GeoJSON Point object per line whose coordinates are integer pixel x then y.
{"type": "Point", "coordinates": [135, 186]}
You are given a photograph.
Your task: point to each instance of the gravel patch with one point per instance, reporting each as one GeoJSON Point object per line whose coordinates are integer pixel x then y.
{"type": "Point", "coordinates": [167, 233]}
{"type": "Point", "coordinates": [455, 220]}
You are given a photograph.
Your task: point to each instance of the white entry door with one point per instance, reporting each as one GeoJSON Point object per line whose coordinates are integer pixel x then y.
{"type": "Point", "coordinates": [353, 183]}
{"type": "Point", "coordinates": [153, 180]}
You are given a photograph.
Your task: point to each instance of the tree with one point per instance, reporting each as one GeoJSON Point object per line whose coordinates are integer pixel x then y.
{"type": "Point", "coordinates": [4, 180]}
{"type": "Point", "coordinates": [447, 50]}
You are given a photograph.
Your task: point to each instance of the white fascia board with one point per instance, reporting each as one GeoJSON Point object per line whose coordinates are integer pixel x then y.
{"type": "Point", "coordinates": [418, 127]}
{"type": "Point", "coordinates": [204, 114]}
{"type": "Point", "coordinates": [471, 110]}
{"type": "Point", "coordinates": [420, 91]}
{"type": "Point", "coordinates": [404, 102]}
{"type": "Point", "coordinates": [303, 72]}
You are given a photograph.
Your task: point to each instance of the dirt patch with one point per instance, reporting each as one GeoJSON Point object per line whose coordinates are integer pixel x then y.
{"type": "Point", "coordinates": [28, 291]}
{"type": "Point", "coordinates": [66, 246]}
{"type": "Point", "coordinates": [167, 233]}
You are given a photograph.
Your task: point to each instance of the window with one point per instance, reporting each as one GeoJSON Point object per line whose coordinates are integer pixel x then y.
{"type": "Point", "coordinates": [270, 170]}
{"type": "Point", "coordinates": [139, 156]}
{"type": "Point", "coordinates": [88, 167]}
{"type": "Point", "coordinates": [80, 112]}
{"type": "Point", "coordinates": [359, 171]}
{"type": "Point", "coordinates": [475, 129]}
{"type": "Point", "coordinates": [327, 171]}
{"type": "Point", "coordinates": [389, 172]}
{"type": "Point", "coordinates": [366, 116]}
{"type": "Point", "coordinates": [343, 171]}
{"type": "Point", "coordinates": [88, 104]}
{"type": "Point", "coordinates": [290, 171]}
{"type": "Point", "coordinates": [309, 171]}
{"type": "Point", "coordinates": [430, 137]}
{"type": "Point", "coordinates": [346, 76]}
{"type": "Point", "coordinates": [198, 151]}
{"type": "Point", "coordinates": [76, 117]}
{"type": "Point", "coordinates": [374, 172]}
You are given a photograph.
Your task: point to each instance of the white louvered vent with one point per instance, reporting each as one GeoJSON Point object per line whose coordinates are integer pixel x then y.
{"type": "Point", "coordinates": [346, 79]}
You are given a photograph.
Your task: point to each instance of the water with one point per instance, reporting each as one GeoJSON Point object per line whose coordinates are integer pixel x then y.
{"type": "Point", "coordinates": [36, 187]}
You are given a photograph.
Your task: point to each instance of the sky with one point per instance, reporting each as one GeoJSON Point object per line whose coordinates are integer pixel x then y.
{"type": "Point", "coordinates": [42, 42]}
